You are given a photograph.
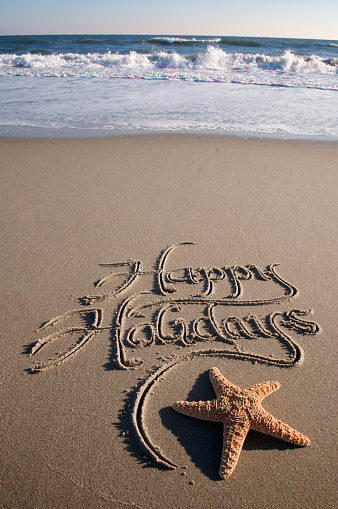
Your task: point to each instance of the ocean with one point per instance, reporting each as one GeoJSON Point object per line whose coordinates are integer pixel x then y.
{"type": "Point", "coordinates": [99, 85]}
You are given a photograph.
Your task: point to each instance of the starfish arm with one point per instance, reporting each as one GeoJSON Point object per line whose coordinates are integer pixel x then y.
{"type": "Point", "coordinates": [234, 434]}
{"type": "Point", "coordinates": [264, 389]}
{"type": "Point", "coordinates": [268, 424]}
{"type": "Point", "coordinates": [221, 385]}
{"type": "Point", "coordinates": [206, 410]}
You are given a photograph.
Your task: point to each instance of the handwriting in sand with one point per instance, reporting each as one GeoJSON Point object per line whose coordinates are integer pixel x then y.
{"type": "Point", "coordinates": [189, 307]}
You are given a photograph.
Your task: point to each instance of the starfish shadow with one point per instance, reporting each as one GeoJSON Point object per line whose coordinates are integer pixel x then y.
{"type": "Point", "coordinates": [263, 442]}
{"type": "Point", "coordinates": [203, 440]}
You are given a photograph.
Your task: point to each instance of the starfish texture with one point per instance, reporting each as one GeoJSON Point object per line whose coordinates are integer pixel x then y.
{"type": "Point", "coordinates": [239, 410]}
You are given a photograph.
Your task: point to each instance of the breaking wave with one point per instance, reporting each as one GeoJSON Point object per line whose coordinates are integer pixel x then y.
{"type": "Point", "coordinates": [215, 64]}
{"type": "Point", "coordinates": [182, 41]}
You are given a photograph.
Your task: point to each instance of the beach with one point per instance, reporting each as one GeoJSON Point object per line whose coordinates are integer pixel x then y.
{"type": "Point", "coordinates": [206, 232]}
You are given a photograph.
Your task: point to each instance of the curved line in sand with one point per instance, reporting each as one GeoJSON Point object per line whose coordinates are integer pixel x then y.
{"type": "Point", "coordinates": [137, 414]}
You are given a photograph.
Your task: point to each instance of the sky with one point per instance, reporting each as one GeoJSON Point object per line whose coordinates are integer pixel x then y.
{"type": "Point", "coordinates": [256, 18]}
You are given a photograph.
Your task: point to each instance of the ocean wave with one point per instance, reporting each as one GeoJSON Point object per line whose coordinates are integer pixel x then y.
{"type": "Point", "coordinates": [39, 52]}
{"type": "Point", "coordinates": [181, 41]}
{"type": "Point", "coordinates": [229, 41]}
{"type": "Point", "coordinates": [22, 39]}
{"type": "Point", "coordinates": [212, 59]}
{"type": "Point", "coordinates": [212, 65]}
{"type": "Point", "coordinates": [331, 61]}
{"type": "Point", "coordinates": [87, 40]}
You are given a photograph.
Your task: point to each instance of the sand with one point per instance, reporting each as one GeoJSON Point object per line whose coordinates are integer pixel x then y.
{"type": "Point", "coordinates": [96, 430]}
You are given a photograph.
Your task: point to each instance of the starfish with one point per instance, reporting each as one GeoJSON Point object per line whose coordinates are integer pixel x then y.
{"type": "Point", "coordinates": [239, 410]}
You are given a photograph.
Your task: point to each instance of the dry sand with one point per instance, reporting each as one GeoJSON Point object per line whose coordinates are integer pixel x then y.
{"type": "Point", "coordinates": [67, 206]}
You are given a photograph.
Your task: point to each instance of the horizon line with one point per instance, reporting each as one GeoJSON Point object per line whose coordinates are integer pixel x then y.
{"type": "Point", "coordinates": [165, 35]}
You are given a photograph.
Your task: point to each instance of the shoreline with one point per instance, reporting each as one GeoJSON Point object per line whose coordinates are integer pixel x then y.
{"type": "Point", "coordinates": [24, 132]}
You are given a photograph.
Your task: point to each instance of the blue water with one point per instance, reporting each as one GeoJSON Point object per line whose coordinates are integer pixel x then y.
{"type": "Point", "coordinates": [113, 84]}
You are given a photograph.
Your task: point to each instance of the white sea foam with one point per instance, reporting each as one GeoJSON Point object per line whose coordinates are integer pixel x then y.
{"type": "Point", "coordinates": [175, 40]}
{"type": "Point", "coordinates": [214, 64]}
{"type": "Point", "coordinates": [122, 106]}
